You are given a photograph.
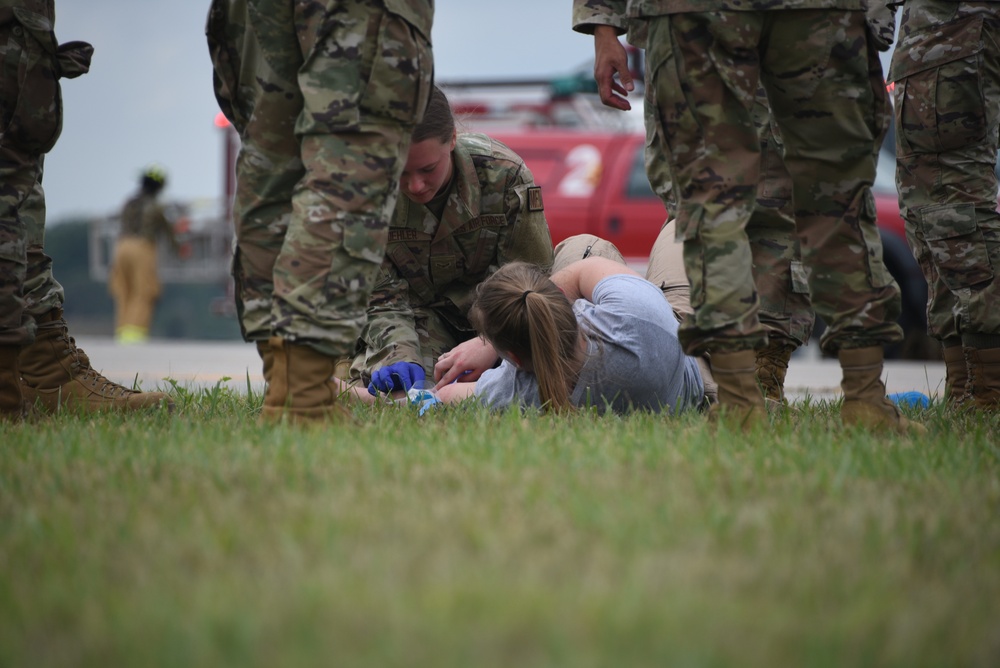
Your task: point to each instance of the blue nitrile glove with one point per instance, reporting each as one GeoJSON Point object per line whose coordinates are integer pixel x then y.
{"type": "Point", "coordinates": [911, 399]}
{"type": "Point", "coordinates": [398, 376]}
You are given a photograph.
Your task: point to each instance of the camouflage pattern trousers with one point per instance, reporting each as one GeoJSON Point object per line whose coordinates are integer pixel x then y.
{"type": "Point", "coordinates": [28, 289]}
{"type": "Point", "coordinates": [31, 64]}
{"type": "Point", "coordinates": [324, 95]}
{"type": "Point", "coordinates": [947, 73]}
{"type": "Point", "coordinates": [822, 78]}
{"type": "Point", "coordinates": [782, 286]}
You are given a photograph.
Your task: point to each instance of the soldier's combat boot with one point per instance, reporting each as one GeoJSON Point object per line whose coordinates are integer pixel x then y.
{"type": "Point", "coordinates": [771, 365]}
{"type": "Point", "coordinates": [984, 379]}
{"type": "Point", "coordinates": [741, 403]}
{"type": "Point", "coordinates": [300, 388]}
{"type": "Point", "coordinates": [267, 357]}
{"type": "Point", "coordinates": [56, 374]}
{"type": "Point", "coordinates": [11, 401]}
{"type": "Point", "coordinates": [865, 403]}
{"type": "Point", "coordinates": [956, 373]}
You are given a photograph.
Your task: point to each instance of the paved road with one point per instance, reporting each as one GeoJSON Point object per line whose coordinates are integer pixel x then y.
{"type": "Point", "coordinates": [203, 364]}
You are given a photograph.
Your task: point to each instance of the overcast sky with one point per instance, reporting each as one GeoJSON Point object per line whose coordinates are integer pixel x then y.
{"type": "Point", "coordinates": [148, 97]}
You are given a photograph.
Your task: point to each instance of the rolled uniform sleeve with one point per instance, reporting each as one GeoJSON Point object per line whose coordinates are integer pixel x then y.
{"type": "Point", "coordinates": [587, 14]}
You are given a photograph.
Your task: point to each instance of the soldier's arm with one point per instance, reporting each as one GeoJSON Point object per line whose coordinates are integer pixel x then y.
{"type": "Point", "coordinates": [578, 280]}
{"type": "Point", "coordinates": [606, 21]}
{"type": "Point", "coordinates": [526, 238]}
{"type": "Point", "coordinates": [390, 334]}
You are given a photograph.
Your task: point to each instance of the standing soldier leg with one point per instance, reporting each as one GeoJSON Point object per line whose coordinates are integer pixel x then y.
{"type": "Point", "coordinates": [949, 53]}
{"type": "Point", "coordinates": [666, 271]}
{"type": "Point", "coordinates": [822, 59]}
{"type": "Point", "coordinates": [56, 373]}
{"type": "Point", "coordinates": [258, 92]}
{"type": "Point", "coordinates": [782, 284]}
{"type": "Point", "coordinates": [16, 178]}
{"type": "Point", "coordinates": [351, 112]}
{"type": "Point", "coordinates": [715, 161]}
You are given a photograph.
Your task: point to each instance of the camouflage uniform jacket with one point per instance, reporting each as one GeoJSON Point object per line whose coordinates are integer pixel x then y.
{"type": "Point", "coordinates": [492, 216]}
{"type": "Point", "coordinates": [597, 11]}
{"type": "Point", "coordinates": [143, 217]}
{"type": "Point", "coordinates": [587, 14]}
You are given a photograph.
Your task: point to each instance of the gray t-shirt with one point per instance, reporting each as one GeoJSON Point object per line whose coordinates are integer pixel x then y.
{"type": "Point", "coordinates": [634, 360]}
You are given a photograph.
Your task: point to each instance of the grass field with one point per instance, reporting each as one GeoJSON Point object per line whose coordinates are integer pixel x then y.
{"type": "Point", "coordinates": [477, 540]}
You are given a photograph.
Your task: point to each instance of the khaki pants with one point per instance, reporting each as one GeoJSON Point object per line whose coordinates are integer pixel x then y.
{"type": "Point", "coordinates": [665, 270]}
{"type": "Point", "coordinates": [133, 283]}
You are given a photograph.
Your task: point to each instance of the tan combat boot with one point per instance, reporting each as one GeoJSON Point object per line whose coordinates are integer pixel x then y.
{"type": "Point", "coordinates": [984, 379]}
{"type": "Point", "coordinates": [267, 357]}
{"type": "Point", "coordinates": [300, 388]}
{"type": "Point", "coordinates": [11, 401]}
{"type": "Point", "coordinates": [956, 373]}
{"type": "Point", "coordinates": [865, 403]}
{"type": "Point", "coordinates": [58, 375]}
{"type": "Point", "coordinates": [771, 365]}
{"type": "Point", "coordinates": [741, 403]}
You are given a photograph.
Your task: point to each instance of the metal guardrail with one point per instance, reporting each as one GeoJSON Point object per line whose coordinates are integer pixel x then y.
{"type": "Point", "coordinates": [207, 244]}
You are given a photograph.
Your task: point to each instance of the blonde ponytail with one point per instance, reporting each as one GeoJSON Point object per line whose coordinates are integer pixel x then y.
{"type": "Point", "coordinates": [520, 311]}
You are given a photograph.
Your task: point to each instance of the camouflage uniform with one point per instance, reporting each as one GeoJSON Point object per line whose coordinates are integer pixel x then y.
{"type": "Point", "coordinates": [31, 64]}
{"type": "Point", "coordinates": [708, 126]}
{"type": "Point", "coordinates": [324, 95]}
{"type": "Point", "coordinates": [785, 311]}
{"type": "Point", "coordinates": [946, 68]}
{"type": "Point", "coordinates": [134, 282]}
{"type": "Point", "coordinates": [493, 215]}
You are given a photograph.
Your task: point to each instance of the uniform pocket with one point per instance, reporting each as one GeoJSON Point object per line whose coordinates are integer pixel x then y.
{"type": "Point", "coordinates": [877, 271]}
{"type": "Point", "coordinates": [956, 244]}
{"type": "Point", "coordinates": [366, 239]}
{"type": "Point", "coordinates": [32, 103]}
{"type": "Point", "coordinates": [800, 277]}
{"type": "Point", "coordinates": [930, 77]}
{"type": "Point", "coordinates": [484, 255]}
{"type": "Point", "coordinates": [689, 229]}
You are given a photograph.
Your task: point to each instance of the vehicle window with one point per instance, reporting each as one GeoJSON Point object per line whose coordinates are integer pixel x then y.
{"type": "Point", "coordinates": [638, 183]}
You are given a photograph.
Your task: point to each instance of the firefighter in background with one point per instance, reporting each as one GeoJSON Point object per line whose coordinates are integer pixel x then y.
{"type": "Point", "coordinates": [134, 282]}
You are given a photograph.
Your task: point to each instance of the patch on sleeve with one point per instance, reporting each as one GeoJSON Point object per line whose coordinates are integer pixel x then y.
{"type": "Point", "coordinates": [535, 199]}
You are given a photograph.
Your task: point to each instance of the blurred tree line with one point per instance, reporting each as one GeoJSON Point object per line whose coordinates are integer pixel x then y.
{"type": "Point", "coordinates": [185, 311]}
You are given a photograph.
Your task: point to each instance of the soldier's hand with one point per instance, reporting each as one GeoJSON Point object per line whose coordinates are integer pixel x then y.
{"type": "Point", "coordinates": [610, 59]}
{"type": "Point", "coordinates": [466, 362]}
{"type": "Point", "coordinates": [398, 376]}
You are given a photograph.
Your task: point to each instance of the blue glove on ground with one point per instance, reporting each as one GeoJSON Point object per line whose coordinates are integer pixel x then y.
{"type": "Point", "coordinates": [911, 399]}
{"type": "Point", "coordinates": [398, 376]}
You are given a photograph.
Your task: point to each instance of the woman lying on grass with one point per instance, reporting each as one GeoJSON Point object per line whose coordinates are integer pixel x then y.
{"type": "Point", "coordinates": [594, 334]}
